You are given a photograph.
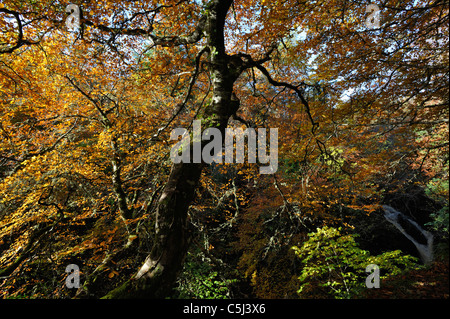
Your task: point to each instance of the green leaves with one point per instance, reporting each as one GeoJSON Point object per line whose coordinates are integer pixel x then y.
{"type": "Point", "coordinates": [335, 262]}
{"type": "Point", "coordinates": [200, 280]}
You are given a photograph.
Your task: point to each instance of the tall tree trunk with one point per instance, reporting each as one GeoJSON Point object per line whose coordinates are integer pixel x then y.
{"type": "Point", "coordinates": [157, 276]}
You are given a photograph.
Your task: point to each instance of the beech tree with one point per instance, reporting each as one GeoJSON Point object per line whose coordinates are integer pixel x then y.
{"type": "Point", "coordinates": [357, 96]}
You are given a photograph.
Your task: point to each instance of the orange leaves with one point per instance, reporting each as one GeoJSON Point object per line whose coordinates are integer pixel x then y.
{"type": "Point", "coordinates": [82, 108]}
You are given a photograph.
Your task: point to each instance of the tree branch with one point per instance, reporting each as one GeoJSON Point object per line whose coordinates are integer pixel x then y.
{"type": "Point", "coordinates": [165, 41]}
{"type": "Point", "coordinates": [94, 102]}
{"type": "Point", "coordinates": [188, 94]}
{"type": "Point", "coordinates": [20, 40]}
{"type": "Point", "coordinates": [289, 86]}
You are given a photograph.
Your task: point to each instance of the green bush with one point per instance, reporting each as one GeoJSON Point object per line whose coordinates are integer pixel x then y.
{"type": "Point", "coordinates": [334, 265]}
{"type": "Point", "coordinates": [440, 221]}
{"type": "Point", "coordinates": [199, 280]}
{"type": "Point", "coordinates": [437, 189]}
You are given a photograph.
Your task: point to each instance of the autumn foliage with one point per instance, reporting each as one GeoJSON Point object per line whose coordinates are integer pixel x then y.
{"type": "Point", "coordinates": [85, 120]}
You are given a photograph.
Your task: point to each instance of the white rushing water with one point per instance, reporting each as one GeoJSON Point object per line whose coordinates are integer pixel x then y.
{"type": "Point", "coordinates": [395, 217]}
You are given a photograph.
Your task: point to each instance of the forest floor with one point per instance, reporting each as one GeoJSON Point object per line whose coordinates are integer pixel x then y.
{"type": "Point", "coordinates": [427, 283]}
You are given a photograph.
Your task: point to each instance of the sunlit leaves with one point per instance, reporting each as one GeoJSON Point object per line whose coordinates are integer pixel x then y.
{"type": "Point", "coordinates": [79, 108]}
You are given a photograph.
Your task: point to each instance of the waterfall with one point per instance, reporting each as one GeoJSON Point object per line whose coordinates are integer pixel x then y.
{"type": "Point", "coordinates": [397, 219]}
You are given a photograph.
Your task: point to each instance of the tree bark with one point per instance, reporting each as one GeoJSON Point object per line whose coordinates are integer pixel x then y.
{"type": "Point", "coordinates": [161, 268]}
